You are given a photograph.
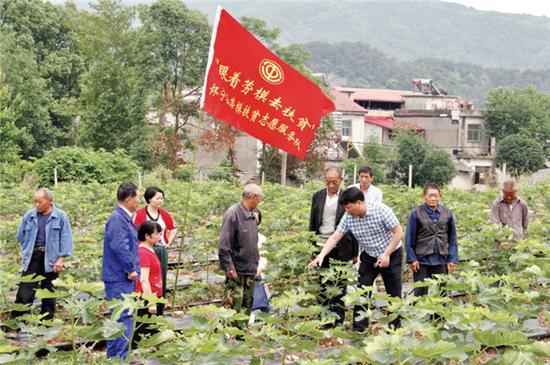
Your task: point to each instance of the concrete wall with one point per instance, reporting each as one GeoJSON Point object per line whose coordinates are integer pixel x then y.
{"type": "Point", "coordinates": [426, 102]}
{"type": "Point", "coordinates": [463, 181]}
{"type": "Point", "coordinates": [470, 148]}
{"type": "Point", "coordinates": [438, 130]}
{"type": "Point", "coordinates": [357, 126]}
{"type": "Point", "coordinates": [246, 148]}
{"type": "Point", "coordinates": [373, 134]}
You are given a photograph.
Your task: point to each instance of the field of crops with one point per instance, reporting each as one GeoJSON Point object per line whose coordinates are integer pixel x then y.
{"type": "Point", "coordinates": [498, 306]}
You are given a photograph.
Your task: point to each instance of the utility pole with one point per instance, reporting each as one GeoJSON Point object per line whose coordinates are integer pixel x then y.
{"type": "Point", "coordinates": [283, 167]}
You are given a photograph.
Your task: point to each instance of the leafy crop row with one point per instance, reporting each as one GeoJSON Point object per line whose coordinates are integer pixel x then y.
{"type": "Point", "coordinates": [497, 295]}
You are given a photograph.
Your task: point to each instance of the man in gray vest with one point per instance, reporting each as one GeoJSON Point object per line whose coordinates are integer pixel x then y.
{"type": "Point", "coordinates": [431, 238]}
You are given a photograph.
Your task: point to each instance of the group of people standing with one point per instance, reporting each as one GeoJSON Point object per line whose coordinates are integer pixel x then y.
{"type": "Point", "coordinates": [134, 253]}
{"type": "Point", "coordinates": [354, 223]}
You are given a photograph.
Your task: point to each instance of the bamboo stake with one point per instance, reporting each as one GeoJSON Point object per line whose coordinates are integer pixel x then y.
{"type": "Point", "coordinates": [186, 207]}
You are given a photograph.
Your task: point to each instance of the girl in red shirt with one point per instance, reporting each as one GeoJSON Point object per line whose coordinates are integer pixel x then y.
{"type": "Point", "coordinates": [150, 281]}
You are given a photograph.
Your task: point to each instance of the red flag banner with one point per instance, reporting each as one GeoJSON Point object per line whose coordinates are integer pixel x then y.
{"type": "Point", "coordinates": [250, 88]}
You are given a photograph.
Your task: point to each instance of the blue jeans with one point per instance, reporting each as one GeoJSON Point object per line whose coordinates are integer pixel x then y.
{"type": "Point", "coordinates": [119, 346]}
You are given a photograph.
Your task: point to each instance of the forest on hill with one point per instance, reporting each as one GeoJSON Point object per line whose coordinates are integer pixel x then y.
{"type": "Point", "coordinates": [358, 65]}
{"type": "Point", "coordinates": [406, 30]}
{"type": "Point", "coordinates": [385, 44]}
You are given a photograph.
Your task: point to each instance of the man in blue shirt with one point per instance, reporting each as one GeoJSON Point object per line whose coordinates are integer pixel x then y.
{"type": "Point", "coordinates": [46, 239]}
{"type": "Point", "coordinates": [431, 239]}
{"type": "Point", "coordinates": [379, 234]}
{"type": "Point", "coordinates": [121, 260]}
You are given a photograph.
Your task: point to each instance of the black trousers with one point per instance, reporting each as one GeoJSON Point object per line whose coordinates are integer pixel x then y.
{"type": "Point", "coordinates": [427, 272]}
{"type": "Point", "coordinates": [162, 254]}
{"type": "Point", "coordinates": [26, 291]}
{"type": "Point", "coordinates": [393, 283]}
{"type": "Point", "coordinates": [335, 303]}
{"type": "Point", "coordinates": [145, 328]}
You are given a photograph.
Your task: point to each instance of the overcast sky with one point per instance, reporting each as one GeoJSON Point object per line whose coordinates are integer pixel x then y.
{"type": "Point", "coordinates": [533, 7]}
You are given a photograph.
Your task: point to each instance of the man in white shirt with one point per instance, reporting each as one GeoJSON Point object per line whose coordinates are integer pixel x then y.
{"type": "Point", "coordinates": [371, 192]}
{"type": "Point", "coordinates": [324, 217]}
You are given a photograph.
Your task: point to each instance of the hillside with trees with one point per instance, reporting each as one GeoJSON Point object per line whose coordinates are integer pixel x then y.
{"type": "Point", "coordinates": [406, 30]}
{"type": "Point", "coordinates": [358, 65]}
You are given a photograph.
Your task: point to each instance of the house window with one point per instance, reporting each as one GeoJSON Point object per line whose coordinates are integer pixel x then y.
{"type": "Point", "coordinates": [474, 132]}
{"type": "Point", "coordinates": [346, 128]}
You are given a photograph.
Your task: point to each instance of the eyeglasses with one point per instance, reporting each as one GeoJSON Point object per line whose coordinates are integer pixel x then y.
{"type": "Point", "coordinates": [333, 181]}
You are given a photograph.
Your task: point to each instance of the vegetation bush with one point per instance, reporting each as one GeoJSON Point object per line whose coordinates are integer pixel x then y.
{"type": "Point", "coordinates": [223, 171]}
{"type": "Point", "coordinates": [374, 156]}
{"type": "Point", "coordinates": [183, 172]}
{"type": "Point", "coordinates": [14, 170]}
{"type": "Point", "coordinates": [499, 290]}
{"type": "Point", "coordinates": [77, 164]}
{"type": "Point", "coordinates": [429, 163]}
{"type": "Point", "coordinates": [520, 153]}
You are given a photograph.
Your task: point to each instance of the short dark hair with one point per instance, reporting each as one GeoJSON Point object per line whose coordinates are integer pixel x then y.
{"type": "Point", "coordinates": [148, 228]}
{"type": "Point", "coordinates": [151, 192]}
{"type": "Point", "coordinates": [126, 190]}
{"type": "Point", "coordinates": [429, 186]}
{"type": "Point", "coordinates": [365, 170]}
{"type": "Point", "coordinates": [351, 195]}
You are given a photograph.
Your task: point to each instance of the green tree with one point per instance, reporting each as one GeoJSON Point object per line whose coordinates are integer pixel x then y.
{"type": "Point", "coordinates": [84, 165]}
{"type": "Point", "coordinates": [12, 168]}
{"type": "Point", "coordinates": [520, 153]}
{"type": "Point", "coordinates": [177, 40]}
{"type": "Point", "coordinates": [518, 111]}
{"type": "Point", "coordinates": [437, 167]}
{"type": "Point", "coordinates": [430, 164]}
{"type": "Point", "coordinates": [9, 133]}
{"type": "Point", "coordinates": [374, 156]}
{"type": "Point", "coordinates": [41, 63]}
{"type": "Point", "coordinates": [408, 149]}
{"type": "Point", "coordinates": [114, 92]}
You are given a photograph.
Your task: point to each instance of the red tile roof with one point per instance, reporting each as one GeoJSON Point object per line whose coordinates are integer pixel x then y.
{"type": "Point", "coordinates": [384, 95]}
{"type": "Point", "coordinates": [344, 104]}
{"type": "Point", "coordinates": [390, 123]}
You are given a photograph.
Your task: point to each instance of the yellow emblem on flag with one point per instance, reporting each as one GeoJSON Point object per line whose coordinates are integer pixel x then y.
{"type": "Point", "coordinates": [271, 72]}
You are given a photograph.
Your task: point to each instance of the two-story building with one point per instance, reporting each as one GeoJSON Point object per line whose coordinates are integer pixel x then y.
{"type": "Point", "coordinates": [448, 122]}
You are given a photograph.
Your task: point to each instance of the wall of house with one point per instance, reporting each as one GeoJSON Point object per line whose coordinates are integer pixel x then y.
{"type": "Point", "coordinates": [427, 102]}
{"type": "Point", "coordinates": [372, 134]}
{"type": "Point", "coordinates": [357, 126]}
{"type": "Point", "coordinates": [468, 147]}
{"type": "Point", "coordinates": [440, 131]}
{"type": "Point", "coordinates": [246, 151]}
{"type": "Point", "coordinates": [463, 180]}
{"type": "Point", "coordinates": [480, 171]}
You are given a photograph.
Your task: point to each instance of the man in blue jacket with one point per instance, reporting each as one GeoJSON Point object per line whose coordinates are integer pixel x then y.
{"type": "Point", "coordinates": [121, 260]}
{"type": "Point", "coordinates": [431, 242]}
{"type": "Point", "coordinates": [46, 239]}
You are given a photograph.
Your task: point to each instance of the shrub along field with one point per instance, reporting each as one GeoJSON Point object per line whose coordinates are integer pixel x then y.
{"type": "Point", "coordinates": [498, 295]}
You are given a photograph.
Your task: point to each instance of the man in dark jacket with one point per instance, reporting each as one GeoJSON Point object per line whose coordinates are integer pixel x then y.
{"type": "Point", "coordinates": [121, 260]}
{"type": "Point", "coordinates": [431, 238]}
{"type": "Point", "coordinates": [324, 217]}
{"type": "Point", "coordinates": [238, 249]}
